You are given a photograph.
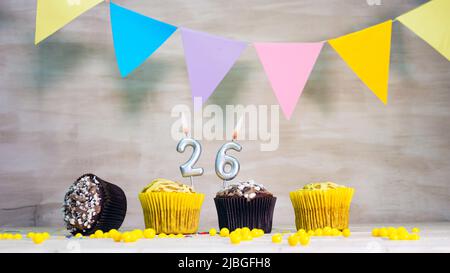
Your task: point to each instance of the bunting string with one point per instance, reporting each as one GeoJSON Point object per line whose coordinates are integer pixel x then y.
{"type": "Point", "coordinates": [288, 66]}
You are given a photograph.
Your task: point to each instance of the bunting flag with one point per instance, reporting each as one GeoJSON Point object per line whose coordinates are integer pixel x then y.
{"type": "Point", "coordinates": [431, 22]}
{"type": "Point", "coordinates": [52, 15]}
{"type": "Point", "coordinates": [288, 66]}
{"type": "Point", "coordinates": [367, 52]}
{"type": "Point", "coordinates": [208, 60]}
{"type": "Point", "coordinates": [135, 37]}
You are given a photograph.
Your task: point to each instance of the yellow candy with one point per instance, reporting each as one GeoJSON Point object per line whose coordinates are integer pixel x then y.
{"type": "Point", "coordinates": [179, 235]}
{"type": "Point", "coordinates": [403, 236]}
{"type": "Point", "coordinates": [92, 236]}
{"type": "Point", "coordinates": [261, 232]}
{"type": "Point", "coordinates": [391, 230]}
{"type": "Point", "coordinates": [46, 235]}
{"type": "Point", "coordinates": [245, 232]}
{"type": "Point", "coordinates": [17, 236]}
{"type": "Point", "coordinates": [304, 240]}
{"type": "Point", "coordinates": [127, 237]}
{"type": "Point", "coordinates": [277, 238]}
{"type": "Point", "coordinates": [346, 232]}
{"type": "Point", "coordinates": [162, 235]}
{"type": "Point", "coordinates": [212, 232]}
{"type": "Point", "coordinates": [414, 236]}
{"type": "Point", "coordinates": [30, 234]}
{"type": "Point", "coordinates": [98, 234]}
{"type": "Point", "coordinates": [318, 232]}
{"type": "Point", "coordinates": [149, 233]}
{"type": "Point", "coordinates": [38, 238]}
{"type": "Point", "coordinates": [117, 236]}
{"type": "Point", "coordinates": [113, 231]}
{"type": "Point", "coordinates": [336, 232]}
{"type": "Point", "coordinates": [78, 235]}
{"type": "Point", "coordinates": [255, 233]}
{"type": "Point", "coordinates": [327, 231]}
{"type": "Point", "coordinates": [383, 232]}
{"type": "Point", "coordinates": [415, 230]}
{"type": "Point", "coordinates": [138, 233]}
{"type": "Point", "coordinates": [9, 236]}
{"type": "Point", "coordinates": [224, 232]}
{"type": "Point", "coordinates": [1, 236]}
{"type": "Point", "coordinates": [301, 232]}
{"type": "Point", "coordinates": [310, 233]}
{"type": "Point", "coordinates": [247, 237]}
{"type": "Point", "coordinates": [293, 240]}
{"type": "Point", "coordinates": [393, 237]}
{"type": "Point", "coordinates": [106, 235]}
{"type": "Point", "coordinates": [235, 239]}
{"type": "Point", "coordinates": [238, 230]}
{"type": "Point", "coordinates": [375, 232]}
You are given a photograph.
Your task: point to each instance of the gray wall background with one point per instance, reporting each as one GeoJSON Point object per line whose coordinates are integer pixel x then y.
{"type": "Point", "coordinates": [64, 111]}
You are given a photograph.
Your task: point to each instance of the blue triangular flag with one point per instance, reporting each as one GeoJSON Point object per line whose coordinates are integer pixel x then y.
{"type": "Point", "coordinates": [135, 37]}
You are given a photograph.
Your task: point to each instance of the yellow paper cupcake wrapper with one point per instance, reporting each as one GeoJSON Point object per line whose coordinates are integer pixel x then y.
{"type": "Point", "coordinates": [172, 212]}
{"type": "Point", "coordinates": [322, 208]}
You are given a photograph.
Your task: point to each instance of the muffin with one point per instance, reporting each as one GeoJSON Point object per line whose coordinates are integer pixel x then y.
{"type": "Point", "coordinates": [171, 207]}
{"type": "Point", "coordinates": [245, 204]}
{"type": "Point", "coordinates": [319, 205]}
{"type": "Point", "coordinates": [93, 204]}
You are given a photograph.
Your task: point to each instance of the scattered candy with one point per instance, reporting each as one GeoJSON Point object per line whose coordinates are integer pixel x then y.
{"type": "Point", "coordinates": [38, 238]}
{"type": "Point", "coordinates": [149, 233]}
{"type": "Point", "coordinates": [293, 240]}
{"type": "Point", "coordinates": [78, 235]}
{"type": "Point", "coordinates": [235, 237]}
{"type": "Point", "coordinates": [375, 232]}
{"type": "Point", "coordinates": [224, 232]}
{"type": "Point", "coordinates": [318, 232]}
{"type": "Point", "coordinates": [304, 240]}
{"type": "Point", "coordinates": [394, 234]}
{"type": "Point", "coordinates": [212, 232]}
{"type": "Point", "coordinates": [346, 232]}
{"type": "Point", "coordinates": [277, 238]}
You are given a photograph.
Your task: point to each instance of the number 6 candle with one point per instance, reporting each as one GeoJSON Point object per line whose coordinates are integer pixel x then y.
{"type": "Point", "coordinates": [187, 169]}
{"type": "Point", "coordinates": [222, 159]}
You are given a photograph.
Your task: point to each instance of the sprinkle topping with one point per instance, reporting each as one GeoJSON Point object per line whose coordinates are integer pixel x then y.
{"type": "Point", "coordinates": [82, 204]}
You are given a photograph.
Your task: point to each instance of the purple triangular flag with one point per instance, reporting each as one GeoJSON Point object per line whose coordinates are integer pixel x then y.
{"type": "Point", "coordinates": [208, 60]}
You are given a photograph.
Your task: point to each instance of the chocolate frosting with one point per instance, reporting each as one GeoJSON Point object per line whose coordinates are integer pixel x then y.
{"type": "Point", "coordinates": [248, 190]}
{"type": "Point", "coordinates": [82, 204]}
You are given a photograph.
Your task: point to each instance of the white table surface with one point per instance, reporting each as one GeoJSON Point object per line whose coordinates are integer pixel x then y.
{"type": "Point", "coordinates": [434, 237]}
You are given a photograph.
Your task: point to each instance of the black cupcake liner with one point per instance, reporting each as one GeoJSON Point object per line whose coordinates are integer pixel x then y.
{"type": "Point", "coordinates": [237, 212]}
{"type": "Point", "coordinates": [113, 207]}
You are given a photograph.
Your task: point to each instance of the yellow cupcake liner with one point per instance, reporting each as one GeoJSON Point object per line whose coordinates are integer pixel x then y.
{"type": "Point", "coordinates": [172, 212]}
{"type": "Point", "coordinates": [322, 208]}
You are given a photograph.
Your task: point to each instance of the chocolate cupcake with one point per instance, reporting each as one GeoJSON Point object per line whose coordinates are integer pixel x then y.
{"type": "Point", "coordinates": [246, 204]}
{"type": "Point", "coordinates": [93, 204]}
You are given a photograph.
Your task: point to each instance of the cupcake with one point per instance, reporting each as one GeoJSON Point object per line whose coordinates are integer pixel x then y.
{"type": "Point", "coordinates": [245, 204]}
{"type": "Point", "coordinates": [319, 205]}
{"type": "Point", "coordinates": [93, 204]}
{"type": "Point", "coordinates": [171, 207]}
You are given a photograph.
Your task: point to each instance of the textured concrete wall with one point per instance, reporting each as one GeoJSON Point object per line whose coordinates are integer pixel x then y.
{"type": "Point", "coordinates": [64, 111]}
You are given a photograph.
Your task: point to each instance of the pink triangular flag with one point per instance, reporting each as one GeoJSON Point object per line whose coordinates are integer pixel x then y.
{"type": "Point", "coordinates": [288, 66]}
{"type": "Point", "coordinates": [208, 60]}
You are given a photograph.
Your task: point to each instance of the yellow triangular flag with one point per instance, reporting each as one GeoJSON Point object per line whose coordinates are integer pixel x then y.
{"type": "Point", "coordinates": [431, 22]}
{"type": "Point", "coordinates": [367, 52]}
{"type": "Point", "coordinates": [52, 15]}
